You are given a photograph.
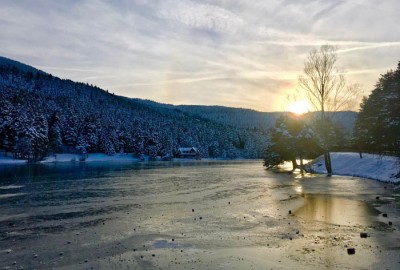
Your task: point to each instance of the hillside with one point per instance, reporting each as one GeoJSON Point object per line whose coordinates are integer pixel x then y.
{"type": "Point", "coordinates": [43, 114]}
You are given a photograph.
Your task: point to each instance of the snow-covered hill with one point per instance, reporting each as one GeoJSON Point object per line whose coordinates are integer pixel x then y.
{"type": "Point", "coordinates": [41, 114]}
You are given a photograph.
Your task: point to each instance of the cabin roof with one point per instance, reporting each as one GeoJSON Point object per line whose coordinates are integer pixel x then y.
{"type": "Point", "coordinates": [181, 149]}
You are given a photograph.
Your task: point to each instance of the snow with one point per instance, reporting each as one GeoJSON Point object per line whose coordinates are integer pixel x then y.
{"type": "Point", "coordinates": [89, 157]}
{"type": "Point", "coordinates": [9, 160]}
{"type": "Point", "coordinates": [99, 157]}
{"type": "Point", "coordinates": [75, 158]}
{"type": "Point", "coordinates": [381, 168]}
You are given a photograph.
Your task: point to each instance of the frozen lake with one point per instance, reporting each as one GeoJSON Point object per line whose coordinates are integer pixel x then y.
{"type": "Point", "coordinates": [192, 215]}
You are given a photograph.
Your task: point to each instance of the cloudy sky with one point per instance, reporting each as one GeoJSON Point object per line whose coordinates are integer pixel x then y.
{"type": "Point", "coordinates": [237, 53]}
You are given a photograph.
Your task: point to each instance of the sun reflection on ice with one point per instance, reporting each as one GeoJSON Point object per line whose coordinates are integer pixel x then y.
{"type": "Point", "coordinates": [299, 189]}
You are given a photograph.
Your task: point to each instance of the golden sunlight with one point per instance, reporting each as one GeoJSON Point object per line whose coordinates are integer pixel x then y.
{"type": "Point", "coordinates": [299, 107]}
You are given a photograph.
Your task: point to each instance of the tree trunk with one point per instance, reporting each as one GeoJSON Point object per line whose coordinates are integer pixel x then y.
{"type": "Point", "coordinates": [294, 163]}
{"type": "Point", "coordinates": [301, 164]}
{"type": "Point", "coordinates": [328, 162]}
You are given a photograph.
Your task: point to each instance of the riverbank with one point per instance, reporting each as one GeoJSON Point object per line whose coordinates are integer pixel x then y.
{"type": "Point", "coordinates": [74, 158]}
{"type": "Point", "coordinates": [381, 168]}
{"type": "Point", "coordinates": [101, 157]}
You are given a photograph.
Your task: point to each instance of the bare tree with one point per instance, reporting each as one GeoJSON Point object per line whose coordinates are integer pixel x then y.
{"type": "Point", "coordinates": [325, 87]}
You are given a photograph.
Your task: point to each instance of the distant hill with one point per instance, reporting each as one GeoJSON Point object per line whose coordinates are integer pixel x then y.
{"type": "Point", "coordinates": [244, 118]}
{"type": "Point", "coordinates": [251, 119]}
{"type": "Point", "coordinates": [235, 117]}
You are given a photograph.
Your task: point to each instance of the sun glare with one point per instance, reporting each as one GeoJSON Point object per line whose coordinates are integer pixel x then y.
{"type": "Point", "coordinates": [298, 107]}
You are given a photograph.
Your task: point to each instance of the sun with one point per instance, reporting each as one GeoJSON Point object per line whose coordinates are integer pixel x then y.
{"type": "Point", "coordinates": [299, 107]}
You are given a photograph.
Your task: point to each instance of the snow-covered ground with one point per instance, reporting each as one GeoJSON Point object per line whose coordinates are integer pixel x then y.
{"type": "Point", "coordinates": [382, 168]}
{"type": "Point", "coordinates": [95, 157]}
{"type": "Point", "coordinates": [74, 158]}
{"type": "Point", "coordinates": [10, 160]}
{"type": "Point", "coordinates": [89, 157]}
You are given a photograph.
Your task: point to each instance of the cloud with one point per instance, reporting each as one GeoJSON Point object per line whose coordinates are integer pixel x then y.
{"type": "Point", "coordinates": [368, 46]}
{"type": "Point", "coordinates": [200, 16]}
{"type": "Point", "coordinates": [238, 53]}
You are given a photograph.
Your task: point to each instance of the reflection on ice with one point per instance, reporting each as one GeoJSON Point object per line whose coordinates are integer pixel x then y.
{"type": "Point", "coordinates": [336, 210]}
{"type": "Point", "coordinates": [299, 189]}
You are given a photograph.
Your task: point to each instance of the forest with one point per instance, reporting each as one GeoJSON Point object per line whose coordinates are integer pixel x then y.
{"type": "Point", "coordinates": [42, 114]}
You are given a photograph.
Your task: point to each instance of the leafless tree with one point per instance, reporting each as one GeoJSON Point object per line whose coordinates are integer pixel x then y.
{"type": "Point", "coordinates": [325, 86]}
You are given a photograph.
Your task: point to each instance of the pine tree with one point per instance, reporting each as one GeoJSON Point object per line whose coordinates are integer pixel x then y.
{"type": "Point", "coordinates": [39, 137]}
{"type": "Point", "coordinates": [23, 148]}
{"type": "Point", "coordinates": [213, 149]}
{"type": "Point", "coordinates": [24, 132]}
{"type": "Point", "coordinates": [90, 133]}
{"type": "Point", "coordinates": [81, 145]}
{"type": "Point", "coordinates": [8, 133]}
{"type": "Point", "coordinates": [55, 141]}
{"type": "Point", "coordinates": [291, 139]}
{"type": "Point", "coordinates": [70, 133]}
{"type": "Point", "coordinates": [377, 128]}
{"type": "Point", "coordinates": [108, 147]}
{"type": "Point", "coordinates": [107, 141]}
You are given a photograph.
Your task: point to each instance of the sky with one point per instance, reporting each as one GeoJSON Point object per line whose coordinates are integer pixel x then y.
{"type": "Point", "coordinates": [236, 53]}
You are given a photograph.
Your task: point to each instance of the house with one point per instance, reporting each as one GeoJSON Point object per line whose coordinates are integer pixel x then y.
{"type": "Point", "coordinates": [188, 152]}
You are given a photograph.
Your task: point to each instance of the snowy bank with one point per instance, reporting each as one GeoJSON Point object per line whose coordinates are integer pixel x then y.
{"type": "Point", "coordinates": [99, 157]}
{"type": "Point", "coordinates": [88, 157]}
{"type": "Point", "coordinates": [75, 158]}
{"type": "Point", "coordinates": [10, 160]}
{"type": "Point", "coordinates": [382, 168]}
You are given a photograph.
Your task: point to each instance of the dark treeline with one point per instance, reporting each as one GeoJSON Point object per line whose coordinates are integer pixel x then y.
{"type": "Point", "coordinates": [42, 114]}
{"type": "Point", "coordinates": [377, 129]}
{"type": "Point", "coordinates": [299, 137]}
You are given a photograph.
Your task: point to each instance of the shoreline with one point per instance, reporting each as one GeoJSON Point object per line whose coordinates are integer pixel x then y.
{"type": "Point", "coordinates": [101, 157]}
{"type": "Point", "coordinates": [370, 166]}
